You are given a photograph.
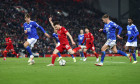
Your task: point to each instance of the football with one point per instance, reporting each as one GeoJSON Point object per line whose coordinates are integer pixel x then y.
{"type": "Point", "coordinates": [62, 62]}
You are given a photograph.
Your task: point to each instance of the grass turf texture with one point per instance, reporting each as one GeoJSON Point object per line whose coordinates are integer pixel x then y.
{"type": "Point", "coordinates": [116, 70]}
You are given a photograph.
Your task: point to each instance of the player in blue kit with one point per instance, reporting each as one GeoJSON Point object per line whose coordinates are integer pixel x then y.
{"type": "Point", "coordinates": [57, 42]}
{"type": "Point", "coordinates": [110, 30]}
{"type": "Point", "coordinates": [30, 30]}
{"type": "Point", "coordinates": [80, 40]}
{"type": "Point", "coordinates": [132, 33]}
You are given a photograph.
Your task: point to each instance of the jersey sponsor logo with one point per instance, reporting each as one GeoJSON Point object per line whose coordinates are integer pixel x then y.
{"type": "Point", "coordinates": [67, 46]}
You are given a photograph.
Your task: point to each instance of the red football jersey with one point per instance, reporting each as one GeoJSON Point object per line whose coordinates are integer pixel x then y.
{"type": "Point", "coordinates": [89, 38]}
{"type": "Point", "coordinates": [62, 36]}
{"type": "Point", "coordinates": [8, 41]}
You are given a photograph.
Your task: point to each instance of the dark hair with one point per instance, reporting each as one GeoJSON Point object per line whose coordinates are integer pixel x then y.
{"type": "Point", "coordinates": [56, 23]}
{"type": "Point", "coordinates": [27, 15]}
{"type": "Point", "coordinates": [130, 18]}
{"type": "Point", "coordinates": [105, 16]}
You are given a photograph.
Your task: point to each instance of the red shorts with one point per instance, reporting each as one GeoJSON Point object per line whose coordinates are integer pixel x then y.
{"type": "Point", "coordinates": [10, 47]}
{"type": "Point", "coordinates": [90, 46]}
{"type": "Point", "coordinates": [62, 47]}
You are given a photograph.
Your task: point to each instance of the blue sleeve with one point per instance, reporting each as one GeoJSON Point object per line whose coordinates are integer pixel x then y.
{"type": "Point", "coordinates": [38, 26]}
{"type": "Point", "coordinates": [136, 31]}
{"type": "Point", "coordinates": [117, 27]}
{"type": "Point", "coordinates": [53, 35]}
{"type": "Point", "coordinates": [104, 31]}
{"type": "Point", "coordinates": [42, 29]}
{"type": "Point", "coordinates": [120, 30]}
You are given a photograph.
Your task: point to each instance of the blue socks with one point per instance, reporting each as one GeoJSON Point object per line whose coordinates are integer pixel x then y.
{"type": "Point", "coordinates": [59, 54]}
{"type": "Point", "coordinates": [72, 56]}
{"type": "Point", "coordinates": [103, 56]}
{"type": "Point", "coordinates": [82, 54]}
{"type": "Point", "coordinates": [121, 53]}
{"type": "Point", "coordinates": [29, 50]}
{"type": "Point", "coordinates": [134, 56]}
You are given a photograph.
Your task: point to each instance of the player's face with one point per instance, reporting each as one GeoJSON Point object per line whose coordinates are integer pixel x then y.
{"type": "Point", "coordinates": [27, 19]}
{"type": "Point", "coordinates": [104, 20]}
{"type": "Point", "coordinates": [86, 30]}
{"type": "Point", "coordinates": [130, 21]}
{"type": "Point", "coordinates": [81, 31]}
{"type": "Point", "coordinates": [57, 27]}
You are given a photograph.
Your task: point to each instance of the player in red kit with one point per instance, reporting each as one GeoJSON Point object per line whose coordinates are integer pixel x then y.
{"type": "Point", "coordinates": [9, 47]}
{"type": "Point", "coordinates": [64, 43]}
{"type": "Point", "coordinates": [89, 38]}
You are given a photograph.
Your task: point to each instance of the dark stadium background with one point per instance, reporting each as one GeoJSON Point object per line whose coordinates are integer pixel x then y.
{"type": "Point", "coordinates": [72, 14]}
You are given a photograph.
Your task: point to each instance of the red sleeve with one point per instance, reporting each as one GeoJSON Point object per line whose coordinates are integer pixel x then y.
{"type": "Point", "coordinates": [92, 38]}
{"type": "Point", "coordinates": [64, 30]}
{"type": "Point", "coordinates": [84, 39]}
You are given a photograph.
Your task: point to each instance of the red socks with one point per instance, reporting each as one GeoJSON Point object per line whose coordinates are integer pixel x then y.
{"type": "Point", "coordinates": [97, 55]}
{"type": "Point", "coordinates": [76, 49]}
{"type": "Point", "coordinates": [85, 54]}
{"type": "Point", "coordinates": [5, 53]}
{"type": "Point", "coordinates": [53, 58]}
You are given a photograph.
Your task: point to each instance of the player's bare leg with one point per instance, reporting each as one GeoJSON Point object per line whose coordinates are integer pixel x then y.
{"type": "Point", "coordinates": [114, 49]}
{"type": "Point", "coordinates": [31, 61]}
{"type": "Point", "coordinates": [127, 51]}
{"type": "Point", "coordinates": [53, 57]}
{"type": "Point", "coordinates": [103, 49]}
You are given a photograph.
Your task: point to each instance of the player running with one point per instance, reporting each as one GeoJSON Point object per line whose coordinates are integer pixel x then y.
{"type": "Point", "coordinates": [30, 30]}
{"type": "Point", "coordinates": [132, 33]}
{"type": "Point", "coordinates": [57, 42]}
{"type": "Point", "coordinates": [80, 40]}
{"type": "Point", "coordinates": [110, 30]}
{"type": "Point", "coordinates": [64, 43]}
{"type": "Point", "coordinates": [9, 47]}
{"type": "Point", "coordinates": [89, 38]}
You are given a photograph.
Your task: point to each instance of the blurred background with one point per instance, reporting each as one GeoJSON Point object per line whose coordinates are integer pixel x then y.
{"type": "Point", "coordinates": [72, 14]}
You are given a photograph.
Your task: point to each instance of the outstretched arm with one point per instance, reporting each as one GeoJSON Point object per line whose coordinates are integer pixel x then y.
{"type": "Point", "coordinates": [50, 20]}
{"type": "Point", "coordinates": [68, 34]}
{"type": "Point", "coordinates": [120, 30]}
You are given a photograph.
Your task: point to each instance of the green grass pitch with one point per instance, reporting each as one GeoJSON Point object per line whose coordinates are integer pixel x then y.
{"type": "Point", "coordinates": [116, 70]}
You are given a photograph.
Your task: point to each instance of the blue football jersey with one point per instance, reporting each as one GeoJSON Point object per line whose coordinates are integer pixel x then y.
{"type": "Point", "coordinates": [131, 31]}
{"type": "Point", "coordinates": [110, 30]}
{"type": "Point", "coordinates": [56, 37]}
{"type": "Point", "coordinates": [31, 29]}
{"type": "Point", "coordinates": [80, 39]}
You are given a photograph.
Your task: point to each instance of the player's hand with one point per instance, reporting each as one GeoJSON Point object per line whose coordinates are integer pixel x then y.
{"type": "Point", "coordinates": [119, 37]}
{"type": "Point", "coordinates": [100, 30]}
{"type": "Point", "coordinates": [47, 35]}
{"type": "Point", "coordinates": [50, 19]}
{"type": "Point", "coordinates": [73, 43]}
{"type": "Point", "coordinates": [25, 31]}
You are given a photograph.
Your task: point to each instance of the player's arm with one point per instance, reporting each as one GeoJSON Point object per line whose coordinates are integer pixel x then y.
{"type": "Point", "coordinates": [120, 30]}
{"type": "Point", "coordinates": [68, 34]}
{"type": "Point", "coordinates": [54, 41]}
{"type": "Point", "coordinates": [92, 39]}
{"type": "Point", "coordinates": [136, 32]}
{"type": "Point", "coordinates": [25, 31]}
{"type": "Point", "coordinates": [50, 20]}
{"type": "Point", "coordinates": [102, 30]}
{"type": "Point", "coordinates": [42, 29]}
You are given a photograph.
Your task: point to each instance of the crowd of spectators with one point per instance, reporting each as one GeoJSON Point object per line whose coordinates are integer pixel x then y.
{"type": "Point", "coordinates": [72, 15]}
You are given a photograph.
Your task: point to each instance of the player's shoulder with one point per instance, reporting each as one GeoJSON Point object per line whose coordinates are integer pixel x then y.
{"type": "Point", "coordinates": [133, 25]}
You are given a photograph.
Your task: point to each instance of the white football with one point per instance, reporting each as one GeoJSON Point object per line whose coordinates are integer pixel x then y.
{"type": "Point", "coordinates": [62, 62]}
